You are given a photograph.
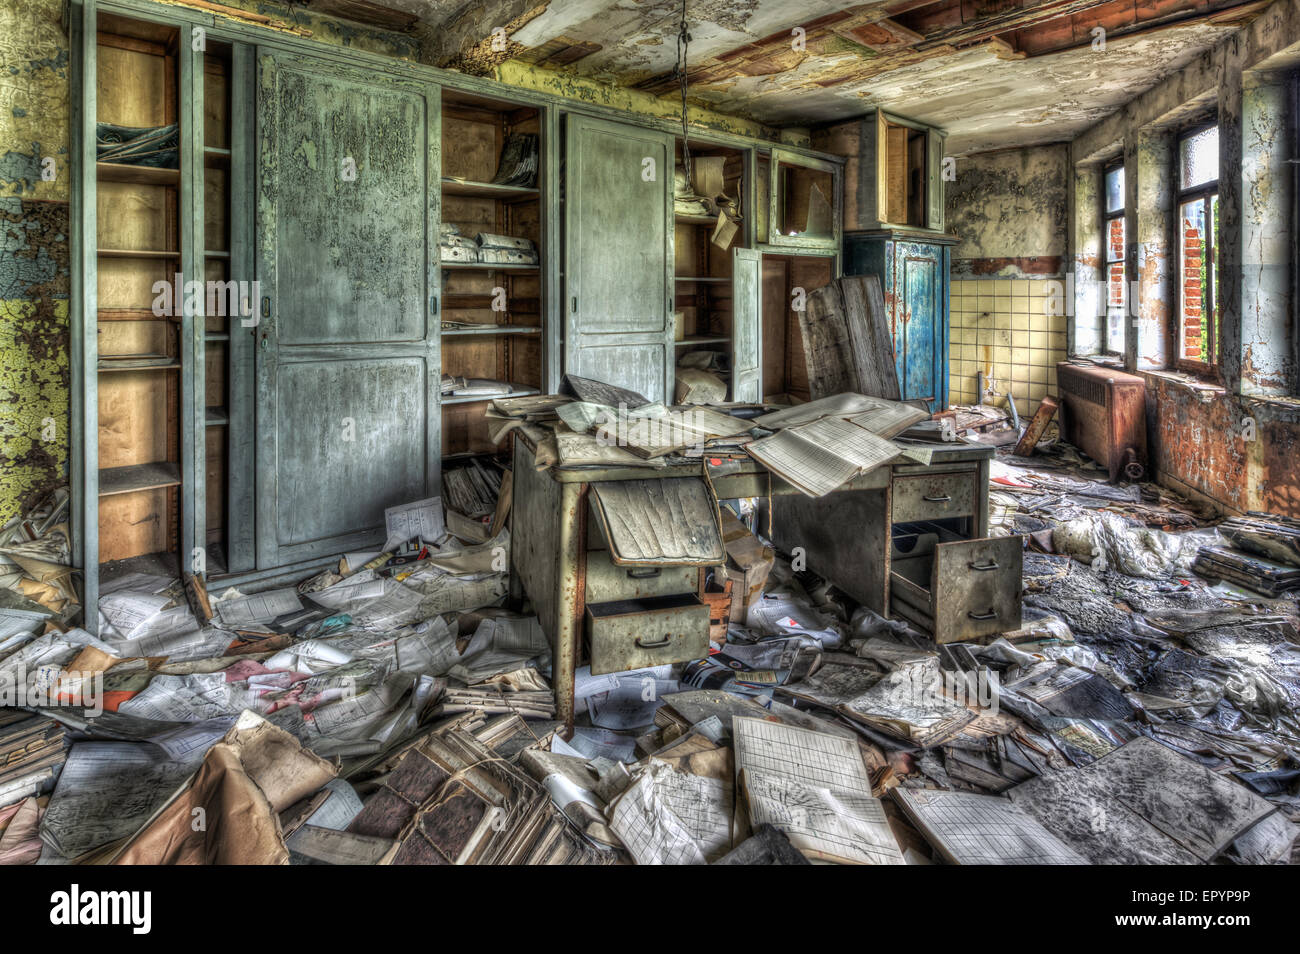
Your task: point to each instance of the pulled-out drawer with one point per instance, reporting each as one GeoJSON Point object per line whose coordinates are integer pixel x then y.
{"type": "Point", "coordinates": [963, 591]}
{"type": "Point", "coordinates": [935, 496]}
{"type": "Point", "coordinates": [608, 581]}
{"type": "Point", "coordinates": [634, 634]}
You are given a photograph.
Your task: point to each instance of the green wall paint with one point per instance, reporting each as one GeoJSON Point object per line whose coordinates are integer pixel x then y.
{"type": "Point", "coordinates": [33, 251]}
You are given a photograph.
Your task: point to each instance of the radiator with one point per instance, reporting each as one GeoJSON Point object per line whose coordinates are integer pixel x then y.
{"type": "Point", "coordinates": [1103, 413]}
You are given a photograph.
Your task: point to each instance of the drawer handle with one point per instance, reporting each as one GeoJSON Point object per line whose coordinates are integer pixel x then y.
{"type": "Point", "coordinates": [645, 573]}
{"type": "Point", "coordinates": [945, 498]}
{"type": "Point", "coordinates": [991, 565]}
{"type": "Point", "coordinates": [657, 644]}
{"type": "Point", "coordinates": [989, 615]}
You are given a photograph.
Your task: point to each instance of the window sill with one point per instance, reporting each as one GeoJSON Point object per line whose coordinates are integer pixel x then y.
{"type": "Point", "coordinates": [1206, 390]}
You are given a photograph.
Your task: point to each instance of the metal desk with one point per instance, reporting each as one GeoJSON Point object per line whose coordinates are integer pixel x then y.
{"type": "Point", "coordinates": [549, 531]}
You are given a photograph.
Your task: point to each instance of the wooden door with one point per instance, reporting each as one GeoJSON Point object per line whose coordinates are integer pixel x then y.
{"type": "Point", "coordinates": [920, 288]}
{"type": "Point", "coordinates": [618, 262]}
{"type": "Point", "coordinates": [348, 337]}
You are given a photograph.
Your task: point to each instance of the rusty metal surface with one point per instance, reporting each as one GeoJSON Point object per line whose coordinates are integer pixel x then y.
{"type": "Point", "coordinates": [636, 634]}
{"type": "Point", "coordinates": [935, 497]}
{"type": "Point", "coordinates": [1103, 413]}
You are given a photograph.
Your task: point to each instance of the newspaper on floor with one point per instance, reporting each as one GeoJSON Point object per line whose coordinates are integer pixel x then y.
{"type": "Point", "coordinates": [909, 702]}
{"type": "Point", "coordinates": [667, 817]}
{"type": "Point", "coordinates": [106, 791]}
{"type": "Point", "coordinates": [1143, 803]}
{"type": "Point", "coordinates": [823, 455]}
{"type": "Point", "coordinates": [258, 608]}
{"type": "Point", "coordinates": [970, 829]}
{"type": "Point", "coordinates": [422, 519]}
{"type": "Point", "coordinates": [814, 787]}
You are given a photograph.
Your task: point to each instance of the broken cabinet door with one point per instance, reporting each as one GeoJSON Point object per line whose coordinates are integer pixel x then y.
{"type": "Point", "coordinates": [348, 342]}
{"type": "Point", "coordinates": [746, 317]}
{"type": "Point", "coordinates": [618, 262]}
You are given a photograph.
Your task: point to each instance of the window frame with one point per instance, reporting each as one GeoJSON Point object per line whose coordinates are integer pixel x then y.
{"type": "Point", "coordinates": [1210, 317]}
{"type": "Point", "coordinates": [1106, 218]}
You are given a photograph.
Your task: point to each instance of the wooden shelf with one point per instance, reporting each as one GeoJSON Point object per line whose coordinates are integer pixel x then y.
{"type": "Point", "coordinates": [215, 157]}
{"type": "Point", "coordinates": [215, 417]}
{"type": "Point", "coordinates": [215, 254]}
{"type": "Point", "coordinates": [125, 480]}
{"type": "Point", "coordinates": [486, 267]}
{"type": "Point", "coordinates": [488, 190]}
{"type": "Point", "coordinates": [139, 363]}
{"type": "Point", "coordinates": [702, 339]}
{"type": "Point", "coordinates": [696, 219]}
{"type": "Point", "coordinates": [492, 330]}
{"type": "Point", "coordinates": [138, 175]}
{"type": "Point", "coordinates": [136, 253]}
{"type": "Point", "coordinates": [475, 398]}
{"type": "Point", "coordinates": [132, 314]}
{"type": "Point", "coordinates": [687, 278]}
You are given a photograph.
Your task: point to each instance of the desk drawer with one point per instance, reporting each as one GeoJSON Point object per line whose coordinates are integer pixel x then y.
{"type": "Point", "coordinates": [634, 634]}
{"type": "Point", "coordinates": [966, 590]}
{"type": "Point", "coordinates": [935, 496]}
{"type": "Point", "coordinates": [607, 581]}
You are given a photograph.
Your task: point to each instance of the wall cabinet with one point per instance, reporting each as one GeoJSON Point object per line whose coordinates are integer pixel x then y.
{"type": "Point", "coordinates": [618, 255]}
{"type": "Point", "coordinates": [913, 269]}
{"type": "Point", "coordinates": [893, 173]}
{"type": "Point", "coordinates": [259, 426]}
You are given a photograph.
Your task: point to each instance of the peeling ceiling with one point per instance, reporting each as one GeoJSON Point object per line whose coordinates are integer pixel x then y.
{"type": "Point", "coordinates": [993, 73]}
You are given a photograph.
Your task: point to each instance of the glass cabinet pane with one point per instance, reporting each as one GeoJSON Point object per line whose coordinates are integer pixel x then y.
{"type": "Point", "coordinates": [804, 206]}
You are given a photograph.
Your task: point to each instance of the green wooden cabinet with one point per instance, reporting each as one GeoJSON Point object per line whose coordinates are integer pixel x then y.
{"type": "Point", "coordinates": [331, 158]}
{"type": "Point", "coordinates": [618, 263]}
{"type": "Point", "coordinates": [348, 342]}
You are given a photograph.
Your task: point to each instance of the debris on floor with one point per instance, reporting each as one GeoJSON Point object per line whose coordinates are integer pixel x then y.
{"type": "Point", "coordinates": [398, 708]}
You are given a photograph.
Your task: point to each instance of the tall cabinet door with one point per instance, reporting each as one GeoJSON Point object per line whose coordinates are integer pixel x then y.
{"type": "Point", "coordinates": [618, 263]}
{"type": "Point", "coordinates": [348, 339]}
{"type": "Point", "coordinates": [746, 316]}
{"type": "Point", "coordinates": [920, 327]}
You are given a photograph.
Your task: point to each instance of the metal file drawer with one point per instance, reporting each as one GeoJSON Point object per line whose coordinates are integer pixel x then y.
{"type": "Point", "coordinates": [965, 590]}
{"type": "Point", "coordinates": [935, 496]}
{"type": "Point", "coordinates": [607, 581]}
{"type": "Point", "coordinates": [634, 634]}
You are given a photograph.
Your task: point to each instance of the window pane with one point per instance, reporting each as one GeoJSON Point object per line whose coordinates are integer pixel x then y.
{"type": "Point", "coordinates": [1214, 278]}
{"type": "Point", "coordinates": [1115, 239]}
{"type": "Point", "coordinates": [1115, 189]}
{"type": "Point", "coordinates": [1199, 158]}
{"type": "Point", "coordinates": [1194, 338]}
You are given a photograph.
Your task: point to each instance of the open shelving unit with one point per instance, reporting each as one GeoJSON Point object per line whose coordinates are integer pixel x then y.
{"type": "Point", "coordinates": [139, 346]}
{"type": "Point", "coordinates": [702, 270]}
{"type": "Point", "coordinates": [492, 314]}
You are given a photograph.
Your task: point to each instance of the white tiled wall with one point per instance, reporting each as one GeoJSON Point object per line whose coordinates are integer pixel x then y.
{"type": "Point", "coordinates": [1001, 326]}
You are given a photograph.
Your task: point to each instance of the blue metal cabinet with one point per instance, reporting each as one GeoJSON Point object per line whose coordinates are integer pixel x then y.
{"type": "Point", "coordinates": [913, 268]}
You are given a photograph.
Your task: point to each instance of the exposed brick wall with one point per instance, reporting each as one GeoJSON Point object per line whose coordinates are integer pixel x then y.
{"type": "Point", "coordinates": [1194, 338]}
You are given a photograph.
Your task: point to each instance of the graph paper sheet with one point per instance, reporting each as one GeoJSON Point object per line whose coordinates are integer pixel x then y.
{"type": "Point", "coordinates": [819, 457]}
{"type": "Point", "coordinates": [673, 818]}
{"type": "Point", "coordinates": [973, 829]}
{"type": "Point", "coordinates": [814, 787]}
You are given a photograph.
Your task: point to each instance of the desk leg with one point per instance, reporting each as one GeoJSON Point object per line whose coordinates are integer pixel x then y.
{"type": "Point", "coordinates": [571, 601]}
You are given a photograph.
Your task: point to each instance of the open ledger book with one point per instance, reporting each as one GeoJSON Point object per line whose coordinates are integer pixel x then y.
{"type": "Point", "coordinates": [826, 443]}
{"type": "Point", "coordinates": [814, 787]}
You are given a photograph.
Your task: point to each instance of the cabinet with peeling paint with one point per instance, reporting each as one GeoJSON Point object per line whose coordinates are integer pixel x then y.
{"type": "Point", "coordinates": [913, 268]}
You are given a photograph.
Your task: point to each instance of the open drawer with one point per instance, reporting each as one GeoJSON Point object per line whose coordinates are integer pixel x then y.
{"type": "Point", "coordinates": [962, 591]}
{"type": "Point", "coordinates": [635, 634]}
